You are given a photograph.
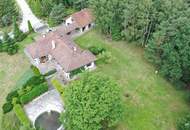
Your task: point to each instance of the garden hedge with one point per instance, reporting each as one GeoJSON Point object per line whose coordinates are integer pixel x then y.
{"type": "Point", "coordinates": [77, 71]}
{"type": "Point", "coordinates": [58, 86]}
{"type": "Point", "coordinates": [35, 92]}
{"type": "Point", "coordinates": [35, 80]}
{"type": "Point", "coordinates": [35, 70]}
{"type": "Point", "coordinates": [50, 72]}
{"type": "Point", "coordinates": [20, 113]}
{"type": "Point", "coordinates": [12, 95]}
{"type": "Point", "coordinates": [7, 107]}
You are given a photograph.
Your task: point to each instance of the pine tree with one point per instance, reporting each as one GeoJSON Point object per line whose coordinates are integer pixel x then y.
{"type": "Point", "coordinates": [16, 31]}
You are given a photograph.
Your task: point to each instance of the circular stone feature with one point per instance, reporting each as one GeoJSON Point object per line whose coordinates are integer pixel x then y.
{"type": "Point", "coordinates": [48, 121]}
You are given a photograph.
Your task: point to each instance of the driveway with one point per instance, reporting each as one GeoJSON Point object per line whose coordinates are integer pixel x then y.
{"type": "Point", "coordinates": [27, 15]}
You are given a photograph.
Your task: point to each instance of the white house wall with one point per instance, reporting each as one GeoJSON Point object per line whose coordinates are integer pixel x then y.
{"type": "Point", "coordinates": [68, 21]}
{"type": "Point", "coordinates": [92, 66]}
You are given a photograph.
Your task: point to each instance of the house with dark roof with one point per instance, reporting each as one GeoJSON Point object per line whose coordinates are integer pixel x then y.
{"type": "Point", "coordinates": [56, 50]}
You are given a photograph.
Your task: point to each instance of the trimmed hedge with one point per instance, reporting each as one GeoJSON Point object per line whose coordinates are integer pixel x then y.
{"type": "Point", "coordinates": [7, 107]}
{"type": "Point", "coordinates": [35, 70]}
{"type": "Point", "coordinates": [35, 80]}
{"type": "Point", "coordinates": [35, 92]}
{"type": "Point", "coordinates": [50, 72]}
{"type": "Point", "coordinates": [20, 113]}
{"type": "Point", "coordinates": [77, 71]}
{"type": "Point", "coordinates": [12, 95]}
{"type": "Point", "coordinates": [58, 86]}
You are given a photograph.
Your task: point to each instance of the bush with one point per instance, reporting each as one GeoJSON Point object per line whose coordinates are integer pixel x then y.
{"type": "Point", "coordinates": [58, 86]}
{"type": "Point", "coordinates": [104, 57]}
{"type": "Point", "coordinates": [7, 107]}
{"type": "Point", "coordinates": [97, 50]}
{"type": "Point", "coordinates": [77, 71]}
{"type": "Point", "coordinates": [35, 70]}
{"type": "Point", "coordinates": [12, 49]}
{"type": "Point", "coordinates": [35, 92]}
{"type": "Point", "coordinates": [50, 72]}
{"type": "Point", "coordinates": [12, 95]}
{"type": "Point", "coordinates": [35, 80]}
{"type": "Point", "coordinates": [21, 115]}
{"type": "Point", "coordinates": [184, 123]}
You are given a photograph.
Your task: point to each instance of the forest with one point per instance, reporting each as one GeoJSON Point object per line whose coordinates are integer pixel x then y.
{"type": "Point", "coordinates": [161, 27]}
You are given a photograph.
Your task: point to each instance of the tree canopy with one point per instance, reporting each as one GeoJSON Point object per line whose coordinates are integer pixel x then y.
{"type": "Point", "coordinates": [92, 103]}
{"type": "Point", "coordinates": [159, 25]}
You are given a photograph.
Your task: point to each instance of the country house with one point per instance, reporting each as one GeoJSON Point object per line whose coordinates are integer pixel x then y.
{"type": "Point", "coordinates": [56, 50]}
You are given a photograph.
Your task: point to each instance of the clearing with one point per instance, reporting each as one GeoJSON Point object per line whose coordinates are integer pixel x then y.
{"type": "Point", "coordinates": [153, 103]}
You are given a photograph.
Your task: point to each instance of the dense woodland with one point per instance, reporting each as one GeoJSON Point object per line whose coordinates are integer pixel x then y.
{"type": "Point", "coordinates": [160, 26]}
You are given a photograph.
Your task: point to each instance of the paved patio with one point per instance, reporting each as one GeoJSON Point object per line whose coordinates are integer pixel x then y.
{"type": "Point", "coordinates": [50, 101]}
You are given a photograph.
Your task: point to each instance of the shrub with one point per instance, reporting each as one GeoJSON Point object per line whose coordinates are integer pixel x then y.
{"type": "Point", "coordinates": [21, 115]}
{"type": "Point", "coordinates": [35, 80]}
{"type": "Point", "coordinates": [97, 50]}
{"type": "Point", "coordinates": [12, 95]}
{"type": "Point", "coordinates": [184, 123]}
{"type": "Point", "coordinates": [35, 70]}
{"type": "Point", "coordinates": [50, 72]}
{"type": "Point", "coordinates": [7, 107]}
{"type": "Point", "coordinates": [77, 71]}
{"type": "Point", "coordinates": [12, 49]}
{"type": "Point", "coordinates": [15, 101]}
{"type": "Point", "coordinates": [104, 57]}
{"type": "Point", "coordinates": [58, 86]}
{"type": "Point", "coordinates": [35, 92]}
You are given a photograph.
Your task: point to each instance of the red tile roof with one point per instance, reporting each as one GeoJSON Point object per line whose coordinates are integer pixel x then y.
{"type": "Point", "coordinates": [69, 55]}
{"type": "Point", "coordinates": [83, 17]}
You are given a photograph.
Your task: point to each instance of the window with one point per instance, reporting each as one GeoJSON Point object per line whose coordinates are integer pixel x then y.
{"type": "Point", "coordinates": [83, 29]}
{"type": "Point", "coordinates": [68, 33]}
{"type": "Point", "coordinates": [89, 26]}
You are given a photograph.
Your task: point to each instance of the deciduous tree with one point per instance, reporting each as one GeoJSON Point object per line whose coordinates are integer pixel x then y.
{"type": "Point", "coordinates": [92, 103]}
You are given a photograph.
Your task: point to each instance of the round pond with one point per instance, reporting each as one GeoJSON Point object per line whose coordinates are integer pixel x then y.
{"type": "Point", "coordinates": [48, 121]}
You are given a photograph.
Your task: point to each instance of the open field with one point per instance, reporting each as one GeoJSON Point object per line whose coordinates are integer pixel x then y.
{"type": "Point", "coordinates": [153, 103]}
{"type": "Point", "coordinates": [12, 68]}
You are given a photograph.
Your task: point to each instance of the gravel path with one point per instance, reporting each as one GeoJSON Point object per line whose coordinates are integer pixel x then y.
{"type": "Point", "coordinates": [27, 15]}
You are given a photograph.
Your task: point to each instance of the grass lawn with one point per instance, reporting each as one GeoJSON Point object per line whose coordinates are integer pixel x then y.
{"type": "Point", "coordinates": [14, 70]}
{"type": "Point", "coordinates": [153, 103]}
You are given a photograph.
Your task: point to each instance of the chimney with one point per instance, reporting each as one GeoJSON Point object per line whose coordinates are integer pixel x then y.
{"type": "Point", "coordinates": [53, 44]}
{"type": "Point", "coordinates": [75, 49]}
